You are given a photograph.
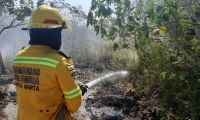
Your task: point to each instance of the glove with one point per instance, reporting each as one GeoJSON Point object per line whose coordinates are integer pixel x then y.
{"type": "Point", "coordinates": [83, 88]}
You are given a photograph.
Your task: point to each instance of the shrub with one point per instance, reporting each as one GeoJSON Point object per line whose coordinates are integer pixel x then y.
{"type": "Point", "coordinates": [124, 59]}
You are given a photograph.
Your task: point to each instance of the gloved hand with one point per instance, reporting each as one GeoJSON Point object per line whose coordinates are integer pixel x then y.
{"type": "Point", "coordinates": [83, 88]}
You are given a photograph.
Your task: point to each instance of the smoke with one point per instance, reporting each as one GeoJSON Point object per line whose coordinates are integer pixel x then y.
{"type": "Point", "coordinates": [13, 40]}
{"type": "Point", "coordinates": [81, 42]}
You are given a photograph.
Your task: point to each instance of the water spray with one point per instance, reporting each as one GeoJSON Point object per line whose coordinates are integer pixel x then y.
{"type": "Point", "coordinates": [114, 75]}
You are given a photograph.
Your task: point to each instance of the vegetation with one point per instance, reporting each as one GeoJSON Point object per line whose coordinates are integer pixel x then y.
{"type": "Point", "coordinates": [165, 34]}
{"type": "Point", "coordinates": [158, 41]}
{"type": "Point", "coordinates": [13, 14]}
{"type": "Point", "coordinates": [16, 13]}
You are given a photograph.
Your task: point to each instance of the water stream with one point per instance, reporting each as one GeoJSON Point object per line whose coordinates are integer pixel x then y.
{"type": "Point", "coordinates": [114, 76]}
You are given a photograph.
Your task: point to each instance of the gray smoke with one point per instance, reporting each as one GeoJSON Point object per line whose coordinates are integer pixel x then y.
{"type": "Point", "coordinates": [13, 40]}
{"type": "Point", "coordinates": [80, 43]}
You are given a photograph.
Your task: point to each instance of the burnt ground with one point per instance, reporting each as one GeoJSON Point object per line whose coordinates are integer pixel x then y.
{"type": "Point", "coordinates": [6, 96]}
{"type": "Point", "coordinates": [121, 97]}
{"type": "Point", "coordinates": [109, 101]}
{"type": "Point", "coordinates": [118, 101]}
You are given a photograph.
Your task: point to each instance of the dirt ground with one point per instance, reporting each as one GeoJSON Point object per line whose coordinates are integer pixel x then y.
{"type": "Point", "coordinates": [109, 101]}
{"type": "Point", "coordinates": [6, 95]}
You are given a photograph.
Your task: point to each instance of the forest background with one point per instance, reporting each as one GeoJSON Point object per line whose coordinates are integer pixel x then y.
{"type": "Point", "coordinates": [157, 41]}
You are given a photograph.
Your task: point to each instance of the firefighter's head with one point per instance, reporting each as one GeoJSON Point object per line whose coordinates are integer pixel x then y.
{"type": "Point", "coordinates": [45, 26]}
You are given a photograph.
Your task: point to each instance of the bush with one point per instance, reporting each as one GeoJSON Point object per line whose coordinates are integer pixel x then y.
{"type": "Point", "coordinates": [105, 55]}
{"type": "Point", "coordinates": [170, 73]}
{"type": "Point", "coordinates": [124, 59]}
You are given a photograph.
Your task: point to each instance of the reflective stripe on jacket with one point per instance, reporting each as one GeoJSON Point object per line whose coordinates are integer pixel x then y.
{"type": "Point", "coordinates": [44, 84]}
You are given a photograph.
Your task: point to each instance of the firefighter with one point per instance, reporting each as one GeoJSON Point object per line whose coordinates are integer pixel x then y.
{"type": "Point", "coordinates": [44, 76]}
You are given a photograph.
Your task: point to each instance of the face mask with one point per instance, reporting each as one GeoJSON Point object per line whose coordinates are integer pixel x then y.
{"type": "Point", "coordinates": [44, 36]}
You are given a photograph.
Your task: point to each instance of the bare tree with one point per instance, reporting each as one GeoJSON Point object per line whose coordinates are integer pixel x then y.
{"type": "Point", "coordinates": [13, 24]}
{"type": "Point", "coordinates": [12, 14]}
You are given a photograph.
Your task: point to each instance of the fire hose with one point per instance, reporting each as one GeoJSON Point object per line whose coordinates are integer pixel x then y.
{"type": "Point", "coordinates": [114, 75]}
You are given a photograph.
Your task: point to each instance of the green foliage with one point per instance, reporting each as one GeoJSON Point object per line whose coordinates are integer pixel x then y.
{"type": "Point", "coordinates": [14, 13]}
{"type": "Point", "coordinates": [166, 36]}
{"type": "Point", "coordinates": [7, 5]}
{"type": "Point", "coordinates": [105, 55]}
{"type": "Point", "coordinates": [124, 59]}
{"type": "Point", "coordinates": [21, 9]}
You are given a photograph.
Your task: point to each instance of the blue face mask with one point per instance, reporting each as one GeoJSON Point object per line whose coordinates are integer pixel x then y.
{"type": "Point", "coordinates": [46, 36]}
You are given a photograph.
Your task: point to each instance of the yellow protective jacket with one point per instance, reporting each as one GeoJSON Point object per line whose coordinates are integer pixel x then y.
{"type": "Point", "coordinates": [44, 84]}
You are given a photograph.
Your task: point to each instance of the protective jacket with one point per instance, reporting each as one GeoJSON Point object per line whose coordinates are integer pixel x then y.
{"type": "Point", "coordinates": [44, 84]}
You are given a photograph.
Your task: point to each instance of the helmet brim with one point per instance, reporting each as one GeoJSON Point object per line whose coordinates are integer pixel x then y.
{"type": "Point", "coordinates": [65, 25]}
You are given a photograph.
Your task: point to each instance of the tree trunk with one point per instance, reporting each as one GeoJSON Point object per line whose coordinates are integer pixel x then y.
{"type": "Point", "coordinates": [193, 15]}
{"type": "Point", "coordinates": [2, 66]}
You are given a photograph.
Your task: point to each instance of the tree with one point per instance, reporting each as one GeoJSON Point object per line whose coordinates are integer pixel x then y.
{"type": "Point", "coordinates": [64, 6]}
{"type": "Point", "coordinates": [13, 14]}
{"type": "Point", "coordinates": [165, 33]}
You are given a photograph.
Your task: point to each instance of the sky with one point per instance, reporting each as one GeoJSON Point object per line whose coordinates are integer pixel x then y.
{"type": "Point", "coordinates": [84, 3]}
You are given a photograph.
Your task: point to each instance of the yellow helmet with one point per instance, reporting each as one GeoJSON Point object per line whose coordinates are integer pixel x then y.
{"type": "Point", "coordinates": [46, 17]}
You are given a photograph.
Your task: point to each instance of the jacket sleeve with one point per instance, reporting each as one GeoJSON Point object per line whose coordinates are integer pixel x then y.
{"type": "Point", "coordinates": [71, 90]}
